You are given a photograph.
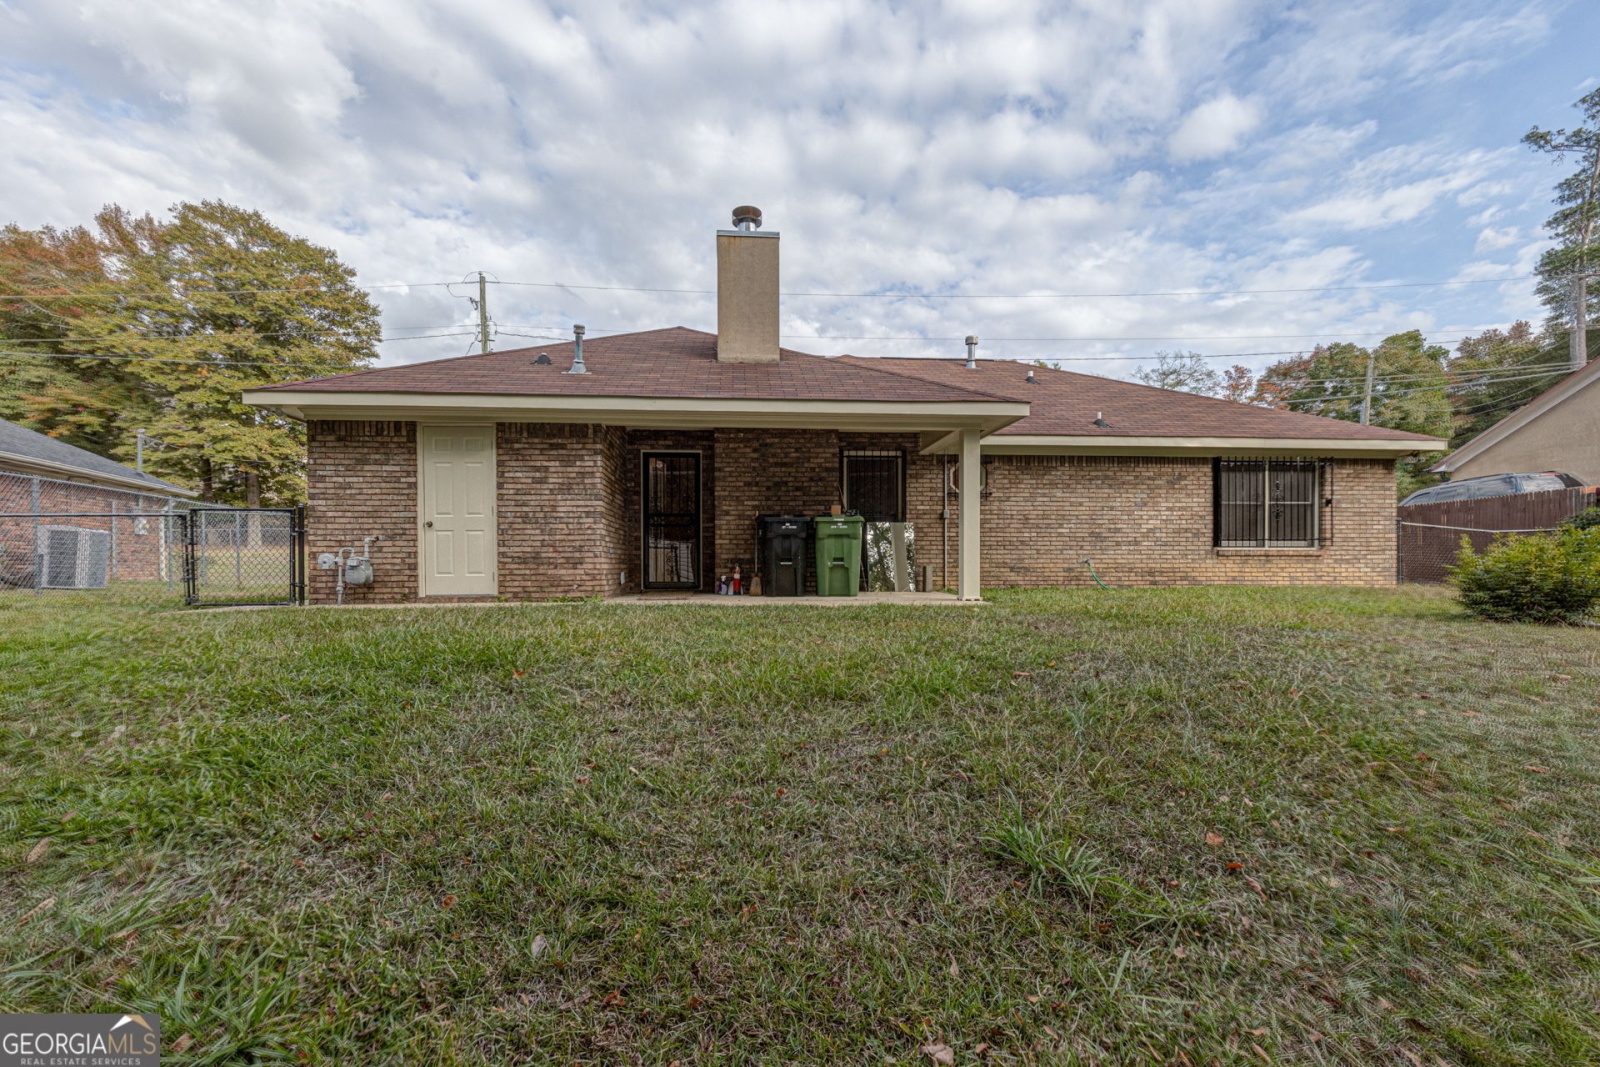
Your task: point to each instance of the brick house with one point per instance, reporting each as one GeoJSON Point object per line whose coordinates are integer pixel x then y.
{"type": "Point", "coordinates": [49, 488]}
{"type": "Point", "coordinates": [639, 462]}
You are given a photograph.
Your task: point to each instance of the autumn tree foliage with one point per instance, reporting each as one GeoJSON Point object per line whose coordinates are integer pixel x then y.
{"type": "Point", "coordinates": [163, 323]}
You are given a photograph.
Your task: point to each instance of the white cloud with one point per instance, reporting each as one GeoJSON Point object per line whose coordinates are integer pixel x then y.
{"type": "Point", "coordinates": [1491, 239]}
{"type": "Point", "coordinates": [1215, 128]}
{"type": "Point", "coordinates": [955, 149]}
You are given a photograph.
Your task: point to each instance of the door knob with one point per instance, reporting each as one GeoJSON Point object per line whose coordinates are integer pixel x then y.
{"type": "Point", "coordinates": [428, 524]}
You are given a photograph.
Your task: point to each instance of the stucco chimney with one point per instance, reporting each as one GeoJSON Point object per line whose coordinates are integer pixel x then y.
{"type": "Point", "coordinates": [747, 291]}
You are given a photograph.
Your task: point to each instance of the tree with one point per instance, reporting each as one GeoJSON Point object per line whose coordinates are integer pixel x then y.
{"type": "Point", "coordinates": [1574, 224]}
{"type": "Point", "coordinates": [1186, 372]}
{"type": "Point", "coordinates": [1409, 391]}
{"type": "Point", "coordinates": [95, 404]}
{"type": "Point", "coordinates": [198, 308]}
{"type": "Point", "coordinates": [1238, 384]}
{"type": "Point", "coordinates": [1498, 371]}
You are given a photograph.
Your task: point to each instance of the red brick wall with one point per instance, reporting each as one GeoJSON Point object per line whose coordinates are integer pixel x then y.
{"type": "Point", "coordinates": [133, 520]}
{"type": "Point", "coordinates": [569, 507]}
{"type": "Point", "coordinates": [362, 480]}
{"type": "Point", "coordinates": [1147, 521]}
{"type": "Point", "coordinates": [556, 500]}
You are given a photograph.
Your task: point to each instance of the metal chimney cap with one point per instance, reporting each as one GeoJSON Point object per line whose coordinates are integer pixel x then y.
{"type": "Point", "coordinates": [577, 330]}
{"type": "Point", "coordinates": [747, 217]}
{"type": "Point", "coordinates": [972, 339]}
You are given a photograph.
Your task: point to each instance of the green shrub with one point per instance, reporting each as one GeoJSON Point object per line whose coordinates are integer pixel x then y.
{"type": "Point", "coordinates": [1587, 519]}
{"type": "Point", "coordinates": [1545, 577]}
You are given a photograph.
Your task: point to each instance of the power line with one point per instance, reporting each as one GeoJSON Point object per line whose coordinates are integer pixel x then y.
{"type": "Point", "coordinates": [74, 295]}
{"type": "Point", "coordinates": [1162, 337]}
{"type": "Point", "coordinates": [1443, 387]}
{"type": "Point", "coordinates": [1037, 296]}
{"type": "Point", "coordinates": [200, 361]}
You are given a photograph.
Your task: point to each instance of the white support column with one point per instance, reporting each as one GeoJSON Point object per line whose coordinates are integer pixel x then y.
{"type": "Point", "coordinates": [968, 581]}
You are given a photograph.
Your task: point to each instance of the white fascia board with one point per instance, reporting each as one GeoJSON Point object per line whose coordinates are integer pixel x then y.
{"type": "Point", "coordinates": [28, 465]}
{"type": "Point", "coordinates": [1049, 444]}
{"type": "Point", "coordinates": [653, 412]}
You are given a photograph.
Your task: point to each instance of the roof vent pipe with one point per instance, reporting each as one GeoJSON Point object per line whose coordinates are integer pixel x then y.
{"type": "Point", "coordinates": [577, 351]}
{"type": "Point", "coordinates": [746, 217]}
{"type": "Point", "coordinates": [972, 351]}
{"type": "Point", "coordinates": [1031, 379]}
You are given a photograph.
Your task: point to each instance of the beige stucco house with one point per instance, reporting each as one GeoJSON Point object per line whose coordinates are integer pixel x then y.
{"type": "Point", "coordinates": [1559, 430]}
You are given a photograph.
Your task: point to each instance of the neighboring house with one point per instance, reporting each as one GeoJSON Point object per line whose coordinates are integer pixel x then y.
{"type": "Point", "coordinates": [27, 452]}
{"type": "Point", "coordinates": [527, 473]}
{"type": "Point", "coordinates": [1558, 430]}
{"type": "Point", "coordinates": [50, 491]}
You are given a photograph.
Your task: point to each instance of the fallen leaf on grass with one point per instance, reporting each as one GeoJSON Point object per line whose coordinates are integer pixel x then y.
{"type": "Point", "coordinates": [1235, 865]}
{"type": "Point", "coordinates": [695, 1003]}
{"type": "Point", "coordinates": [1022, 674]}
{"type": "Point", "coordinates": [1536, 769]}
{"type": "Point", "coordinates": [1255, 887]}
{"type": "Point", "coordinates": [582, 779]}
{"type": "Point", "coordinates": [36, 853]}
{"type": "Point", "coordinates": [518, 673]}
{"type": "Point", "coordinates": [183, 1043]}
{"type": "Point", "coordinates": [1180, 953]}
{"type": "Point", "coordinates": [33, 912]}
{"type": "Point", "coordinates": [68, 817]}
{"type": "Point", "coordinates": [1213, 838]}
{"type": "Point", "coordinates": [939, 1052]}
{"type": "Point", "coordinates": [537, 946]}
{"type": "Point", "coordinates": [450, 900]}
{"type": "Point", "coordinates": [1259, 1051]}
{"type": "Point", "coordinates": [614, 999]}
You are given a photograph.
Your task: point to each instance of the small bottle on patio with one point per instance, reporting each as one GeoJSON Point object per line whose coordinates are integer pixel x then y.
{"type": "Point", "coordinates": [738, 583]}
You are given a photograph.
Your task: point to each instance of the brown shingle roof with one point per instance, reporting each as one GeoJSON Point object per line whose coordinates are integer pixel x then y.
{"type": "Point", "coordinates": [1066, 403]}
{"type": "Point", "coordinates": [674, 362]}
{"type": "Point", "coordinates": [682, 363]}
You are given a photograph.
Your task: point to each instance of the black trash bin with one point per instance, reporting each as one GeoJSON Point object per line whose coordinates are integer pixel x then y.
{"type": "Point", "coordinates": [782, 541]}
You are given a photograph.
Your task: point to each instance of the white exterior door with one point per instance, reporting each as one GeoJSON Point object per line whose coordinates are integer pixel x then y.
{"type": "Point", "coordinates": [457, 494]}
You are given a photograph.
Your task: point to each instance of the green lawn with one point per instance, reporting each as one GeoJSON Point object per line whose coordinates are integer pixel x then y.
{"type": "Point", "coordinates": [1167, 826]}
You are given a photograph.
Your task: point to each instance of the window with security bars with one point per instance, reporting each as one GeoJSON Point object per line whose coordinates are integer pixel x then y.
{"type": "Point", "coordinates": [1267, 503]}
{"type": "Point", "coordinates": [875, 484]}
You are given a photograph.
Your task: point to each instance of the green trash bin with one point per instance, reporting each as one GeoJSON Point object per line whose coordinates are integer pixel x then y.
{"type": "Point", "coordinates": [838, 554]}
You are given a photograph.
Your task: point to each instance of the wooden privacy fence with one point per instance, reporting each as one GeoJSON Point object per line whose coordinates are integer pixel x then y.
{"type": "Point", "coordinates": [1429, 535]}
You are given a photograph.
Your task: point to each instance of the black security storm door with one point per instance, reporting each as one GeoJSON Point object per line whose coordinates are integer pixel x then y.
{"type": "Point", "coordinates": [875, 484]}
{"type": "Point", "coordinates": [671, 484]}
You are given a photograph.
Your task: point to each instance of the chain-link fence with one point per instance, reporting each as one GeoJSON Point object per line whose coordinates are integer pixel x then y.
{"type": "Point", "coordinates": [58, 535]}
{"type": "Point", "coordinates": [1426, 551]}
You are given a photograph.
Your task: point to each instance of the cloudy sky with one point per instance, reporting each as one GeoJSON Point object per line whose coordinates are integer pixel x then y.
{"type": "Point", "coordinates": [976, 147]}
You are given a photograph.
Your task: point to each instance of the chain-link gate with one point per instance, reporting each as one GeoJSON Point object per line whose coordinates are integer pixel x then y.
{"type": "Point", "coordinates": [238, 556]}
{"type": "Point", "coordinates": [58, 536]}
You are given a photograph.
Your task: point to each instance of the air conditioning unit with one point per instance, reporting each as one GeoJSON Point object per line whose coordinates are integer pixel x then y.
{"type": "Point", "coordinates": [74, 558]}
